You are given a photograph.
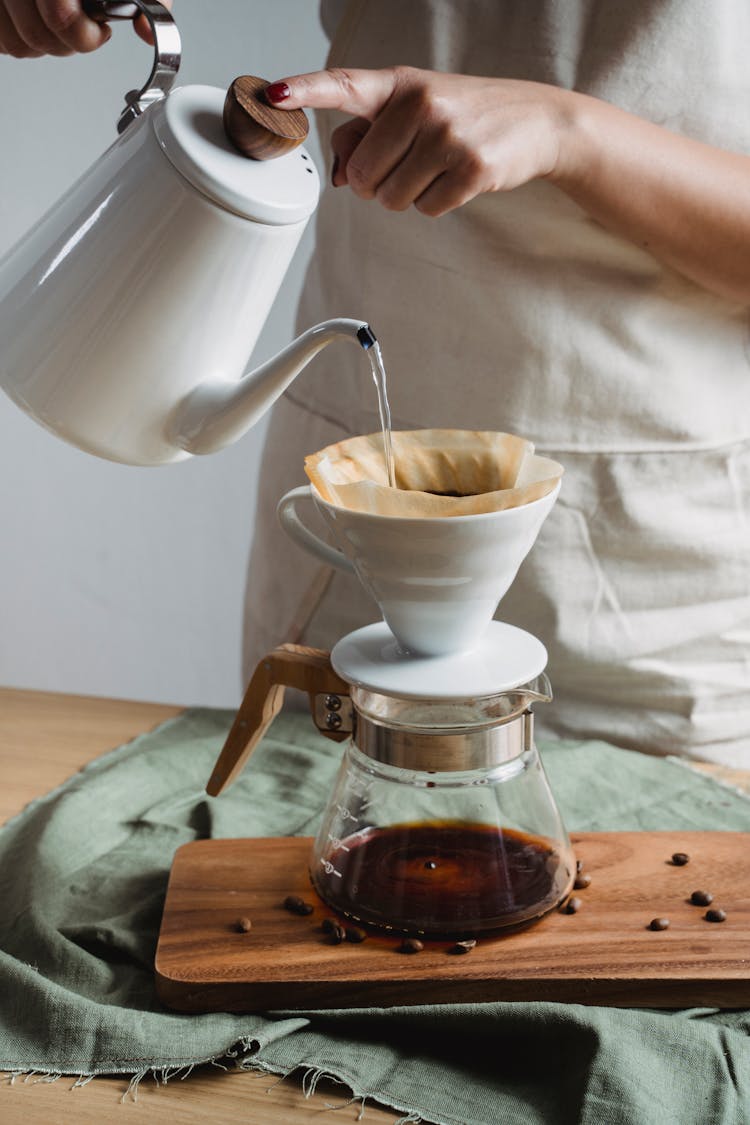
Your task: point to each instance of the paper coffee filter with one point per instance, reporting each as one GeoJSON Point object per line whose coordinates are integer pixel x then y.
{"type": "Point", "coordinates": [489, 471]}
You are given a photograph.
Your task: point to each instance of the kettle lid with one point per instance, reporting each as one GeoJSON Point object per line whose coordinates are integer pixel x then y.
{"type": "Point", "coordinates": [189, 129]}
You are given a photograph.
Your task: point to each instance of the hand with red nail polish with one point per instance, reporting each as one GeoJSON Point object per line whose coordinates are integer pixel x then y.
{"type": "Point", "coordinates": [428, 139]}
{"type": "Point", "coordinates": [277, 92]}
{"type": "Point", "coordinates": [435, 141]}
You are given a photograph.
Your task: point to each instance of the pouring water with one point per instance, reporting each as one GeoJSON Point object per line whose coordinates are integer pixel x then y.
{"type": "Point", "coordinates": [369, 342]}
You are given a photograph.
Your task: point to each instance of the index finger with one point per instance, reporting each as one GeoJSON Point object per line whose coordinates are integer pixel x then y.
{"type": "Point", "coordinates": [361, 93]}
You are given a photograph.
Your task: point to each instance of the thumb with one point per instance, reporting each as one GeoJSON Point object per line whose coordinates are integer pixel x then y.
{"type": "Point", "coordinates": [361, 93]}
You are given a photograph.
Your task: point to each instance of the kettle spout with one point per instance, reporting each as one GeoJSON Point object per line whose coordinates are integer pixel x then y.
{"type": "Point", "coordinates": [218, 412]}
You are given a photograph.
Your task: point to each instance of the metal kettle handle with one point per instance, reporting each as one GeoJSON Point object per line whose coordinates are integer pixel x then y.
{"type": "Point", "coordinates": [167, 50]}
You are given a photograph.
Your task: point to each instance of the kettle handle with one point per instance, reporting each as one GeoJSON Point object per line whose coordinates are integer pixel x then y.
{"type": "Point", "coordinates": [167, 50]}
{"type": "Point", "coordinates": [308, 669]}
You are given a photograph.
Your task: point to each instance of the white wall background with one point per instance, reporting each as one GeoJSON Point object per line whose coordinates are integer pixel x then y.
{"type": "Point", "coordinates": [121, 581]}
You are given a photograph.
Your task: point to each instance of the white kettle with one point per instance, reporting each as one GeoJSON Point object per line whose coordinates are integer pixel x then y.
{"type": "Point", "coordinates": [128, 313]}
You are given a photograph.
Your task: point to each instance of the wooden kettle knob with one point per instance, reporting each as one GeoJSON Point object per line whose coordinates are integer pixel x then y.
{"type": "Point", "coordinates": [254, 127]}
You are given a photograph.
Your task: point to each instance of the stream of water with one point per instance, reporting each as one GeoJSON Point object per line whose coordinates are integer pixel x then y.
{"type": "Point", "coordinates": [378, 374]}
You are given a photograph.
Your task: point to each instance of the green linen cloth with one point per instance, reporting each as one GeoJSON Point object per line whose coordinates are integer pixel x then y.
{"type": "Point", "coordinates": [83, 876]}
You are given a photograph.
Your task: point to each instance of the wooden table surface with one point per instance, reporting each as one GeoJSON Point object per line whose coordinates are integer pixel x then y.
{"type": "Point", "coordinates": [44, 738]}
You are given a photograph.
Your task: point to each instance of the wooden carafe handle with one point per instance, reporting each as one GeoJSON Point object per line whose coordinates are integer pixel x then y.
{"type": "Point", "coordinates": [308, 669]}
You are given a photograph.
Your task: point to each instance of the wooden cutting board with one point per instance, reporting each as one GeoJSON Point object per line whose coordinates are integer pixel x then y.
{"type": "Point", "coordinates": [603, 954]}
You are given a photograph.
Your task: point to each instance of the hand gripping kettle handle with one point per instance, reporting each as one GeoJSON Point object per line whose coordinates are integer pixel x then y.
{"type": "Point", "coordinates": [308, 669]}
{"type": "Point", "coordinates": [167, 50]}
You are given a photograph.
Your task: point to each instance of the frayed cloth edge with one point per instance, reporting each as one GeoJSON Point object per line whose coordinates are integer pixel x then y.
{"type": "Point", "coordinates": [310, 1075]}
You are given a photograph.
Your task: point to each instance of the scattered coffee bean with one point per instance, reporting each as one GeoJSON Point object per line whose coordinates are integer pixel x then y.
{"type": "Point", "coordinates": [572, 906]}
{"type": "Point", "coordinates": [243, 925]}
{"type": "Point", "coordinates": [411, 945]}
{"type": "Point", "coordinates": [701, 898]}
{"type": "Point", "coordinates": [430, 865]}
{"type": "Point", "coordinates": [579, 866]}
{"type": "Point", "coordinates": [297, 905]}
{"type": "Point", "coordinates": [355, 935]}
{"type": "Point", "coordinates": [582, 880]}
{"type": "Point", "coordinates": [715, 915]}
{"type": "Point", "coordinates": [679, 859]}
{"type": "Point", "coordinates": [336, 934]}
{"type": "Point", "coordinates": [463, 946]}
{"type": "Point", "coordinates": [659, 924]}
{"type": "Point", "coordinates": [327, 925]}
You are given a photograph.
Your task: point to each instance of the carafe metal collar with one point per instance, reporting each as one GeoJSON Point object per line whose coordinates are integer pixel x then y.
{"type": "Point", "coordinates": [438, 736]}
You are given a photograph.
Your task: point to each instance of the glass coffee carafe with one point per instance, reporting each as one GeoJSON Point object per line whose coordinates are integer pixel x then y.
{"type": "Point", "coordinates": [441, 821]}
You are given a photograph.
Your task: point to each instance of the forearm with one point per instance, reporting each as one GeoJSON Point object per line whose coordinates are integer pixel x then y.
{"type": "Point", "coordinates": [685, 202]}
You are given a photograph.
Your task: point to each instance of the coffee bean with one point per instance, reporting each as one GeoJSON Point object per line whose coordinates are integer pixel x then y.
{"type": "Point", "coordinates": [579, 866]}
{"type": "Point", "coordinates": [296, 905]}
{"type": "Point", "coordinates": [679, 859]}
{"type": "Point", "coordinates": [715, 915]}
{"type": "Point", "coordinates": [355, 935]}
{"type": "Point", "coordinates": [430, 865]}
{"type": "Point", "coordinates": [701, 898]}
{"type": "Point", "coordinates": [582, 880]}
{"type": "Point", "coordinates": [410, 945]}
{"type": "Point", "coordinates": [463, 946]}
{"type": "Point", "coordinates": [327, 925]}
{"type": "Point", "coordinates": [572, 906]}
{"type": "Point", "coordinates": [243, 925]}
{"type": "Point", "coordinates": [659, 924]}
{"type": "Point", "coordinates": [336, 934]}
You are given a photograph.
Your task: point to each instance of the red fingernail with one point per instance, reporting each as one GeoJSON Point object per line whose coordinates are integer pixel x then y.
{"type": "Point", "coordinates": [277, 92]}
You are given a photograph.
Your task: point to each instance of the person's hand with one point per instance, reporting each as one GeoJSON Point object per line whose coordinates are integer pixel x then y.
{"type": "Point", "coordinates": [438, 140]}
{"type": "Point", "coordinates": [30, 29]}
{"type": "Point", "coordinates": [429, 139]}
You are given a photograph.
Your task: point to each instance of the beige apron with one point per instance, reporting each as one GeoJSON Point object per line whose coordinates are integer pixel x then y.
{"type": "Point", "coordinates": [520, 313]}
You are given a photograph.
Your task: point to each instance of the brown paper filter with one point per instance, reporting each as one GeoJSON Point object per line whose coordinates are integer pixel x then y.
{"type": "Point", "coordinates": [438, 473]}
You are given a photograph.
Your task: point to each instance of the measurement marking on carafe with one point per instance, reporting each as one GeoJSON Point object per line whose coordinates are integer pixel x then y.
{"type": "Point", "coordinates": [329, 868]}
{"type": "Point", "coordinates": [338, 843]}
{"type": "Point", "coordinates": [344, 812]}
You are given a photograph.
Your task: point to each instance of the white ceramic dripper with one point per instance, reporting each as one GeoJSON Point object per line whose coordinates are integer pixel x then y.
{"type": "Point", "coordinates": [437, 582]}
